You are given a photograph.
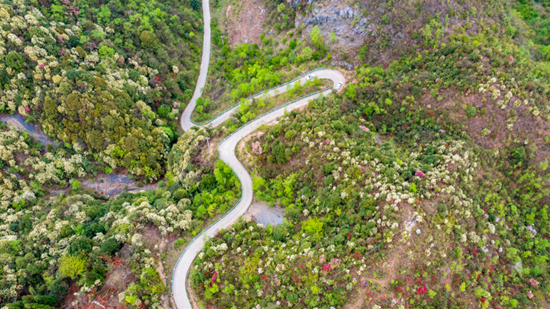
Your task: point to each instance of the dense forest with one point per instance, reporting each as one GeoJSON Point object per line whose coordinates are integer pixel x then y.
{"type": "Point", "coordinates": [108, 79]}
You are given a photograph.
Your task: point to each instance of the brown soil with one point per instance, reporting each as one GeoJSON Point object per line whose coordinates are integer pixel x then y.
{"type": "Point", "coordinates": [212, 151]}
{"type": "Point", "coordinates": [153, 238]}
{"type": "Point", "coordinates": [116, 281]}
{"type": "Point", "coordinates": [245, 21]}
{"type": "Point", "coordinates": [160, 270]}
{"type": "Point", "coordinates": [243, 152]}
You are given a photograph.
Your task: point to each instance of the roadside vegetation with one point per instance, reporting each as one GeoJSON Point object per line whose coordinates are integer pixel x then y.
{"type": "Point", "coordinates": [237, 72]}
{"type": "Point", "coordinates": [422, 184]}
{"type": "Point", "coordinates": [250, 109]}
{"type": "Point", "coordinates": [404, 208]}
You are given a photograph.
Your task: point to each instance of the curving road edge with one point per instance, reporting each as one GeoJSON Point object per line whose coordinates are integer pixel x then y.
{"type": "Point", "coordinates": [227, 153]}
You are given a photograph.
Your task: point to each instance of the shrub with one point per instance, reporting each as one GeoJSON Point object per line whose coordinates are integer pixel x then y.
{"type": "Point", "coordinates": [471, 111]}
{"type": "Point", "coordinates": [110, 246]}
{"type": "Point", "coordinates": [71, 266]}
{"type": "Point", "coordinates": [279, 233]}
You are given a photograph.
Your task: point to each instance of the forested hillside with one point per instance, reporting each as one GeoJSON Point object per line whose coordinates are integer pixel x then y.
{"type": "Point", "coordinates": [109, 79]}
{"type": "Point", "coordinates": [61, 250]}
{"type": "Point", "coordinates": [421, 183]}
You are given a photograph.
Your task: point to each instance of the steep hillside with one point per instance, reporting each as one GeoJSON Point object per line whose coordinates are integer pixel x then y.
{"type": "Point", "coordinates": [423, 184]}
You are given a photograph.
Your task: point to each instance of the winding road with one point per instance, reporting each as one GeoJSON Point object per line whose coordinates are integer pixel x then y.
{"type": "Point", "coordinates": [227, 153]}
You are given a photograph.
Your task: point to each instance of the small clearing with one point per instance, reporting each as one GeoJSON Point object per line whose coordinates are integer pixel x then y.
{"type": "Point", "coordinates": [244, 21]}
{"type": "Point", "coordinates": [265, 214]}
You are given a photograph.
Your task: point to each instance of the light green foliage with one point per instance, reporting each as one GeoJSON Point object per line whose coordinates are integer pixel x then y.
{"type": "Point", "coordinates": [316, 37]}
{"type": "Point", "coordinates": [351, 91]}
{"type": "Point", "coordinates": [332, 36]}
{"type": "Point", "coordinates": [313, 226]}
{"type": "Point", "coordinates": [72, 266]}
{"type": "Point", "coordinates": [306, 54]}
{"type": "Point", "coordinates": [151, 280]}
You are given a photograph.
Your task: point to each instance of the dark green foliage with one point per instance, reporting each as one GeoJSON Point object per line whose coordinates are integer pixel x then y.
{"type": "Point", "coordinates": [35, 302]}
{"type": "Point", "coordinates": [110, 246]}
{"type": "Point", "coordinates": [471, 111]}
{"type": "Point", "coordinates": [328, 168]}
{"type": "Point", "coordinates": [280, 232]}
{"type": "Point", "coordinates": [519, 156]}
{"type": "Point", "coordinates": [196, 4]}
{"type": "Point", "coordinates": [15, 61]}
{"type": "Point", "coordinates": [80, 245]}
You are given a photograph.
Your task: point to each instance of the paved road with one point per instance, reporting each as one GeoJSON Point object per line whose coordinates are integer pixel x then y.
{"type": "Point", "coordinates": [185, 120]}
{"type": "Point", "coordinates": [227, 154]}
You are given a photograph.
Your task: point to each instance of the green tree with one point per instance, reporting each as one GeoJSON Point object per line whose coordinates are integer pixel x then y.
{"type": "Point", "coordinates": [110, 246]}
{"type": "Point", "coordinates": [71, 266]}
{"type": "Point", "coordinates": [279, 233]}
{"type": "Point", "coordinates": [316, 37]}
{"type": "Point", "coordinates": [15, 61]}
{"type": "Point", "coordinates": [313, 226]}
{"type": "Point", "coordinates": [104, 14]}
{"type": "Point", "coordinates": [147, 38]}
{"type": "Point", "coordinates": [196, 4]}
{"type": "Point", "coordinates": [332, 36]}
{"type": "Point", "coordinates": [307, 53]}
{"type": "Point", "coordinates": [106, 51]}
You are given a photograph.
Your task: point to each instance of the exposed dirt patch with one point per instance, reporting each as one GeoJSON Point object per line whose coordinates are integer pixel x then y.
{"type": "Point", "coordinates": [366, 292]}
{"type": "Point", "coordinates": [113, 184]}
{"type": "Point", "coordinates": [246, 157]}
{"type": "Point", "coordinates": [271, 123]}
{"type": "Point", "coordinates": [159, 245]}
{"type": "Point", "coordinates": [265, 214]}
{"type": "Point", "coordinates": [218, 91]}
{"type": "Point", "coordinates": [243, 153]}
{"type": "Point", "coordinates": [160, 269]}
{"type": "Point", "coordinates": [117, 279]}
{"type": "Point", "coordinates": [245, 21]}
{"type": "Point", "coordinates": [212, 150]}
